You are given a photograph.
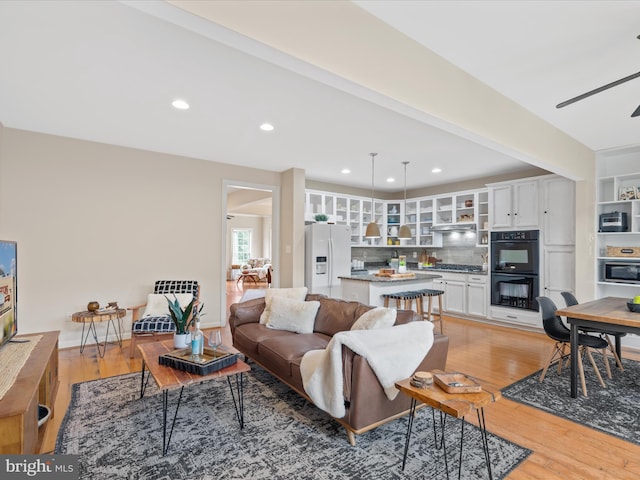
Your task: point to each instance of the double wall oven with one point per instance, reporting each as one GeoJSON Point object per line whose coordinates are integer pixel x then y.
{"type": "Point", "coordinates": [515, 268]}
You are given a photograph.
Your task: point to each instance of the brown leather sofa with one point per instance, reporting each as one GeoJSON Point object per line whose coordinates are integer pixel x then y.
{"type": "Point", "coordinates": [280, 352]}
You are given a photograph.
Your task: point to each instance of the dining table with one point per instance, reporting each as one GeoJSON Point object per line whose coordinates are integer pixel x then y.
{"type": "Point", "coordinates": [608, 313]}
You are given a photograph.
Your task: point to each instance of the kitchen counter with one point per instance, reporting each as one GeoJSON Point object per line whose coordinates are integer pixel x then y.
{"type": "Point", "coordinates": [474, 271]}
{"type": "Point", "coordinates": [420, 277]}
{"type": "Point", "coordinates": [368, 289]}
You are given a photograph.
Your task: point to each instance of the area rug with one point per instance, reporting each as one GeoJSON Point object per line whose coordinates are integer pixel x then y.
{"type": "Point", "coordinates": [118, 435]}
{"type": "Point", "coordinates": [613, 410]}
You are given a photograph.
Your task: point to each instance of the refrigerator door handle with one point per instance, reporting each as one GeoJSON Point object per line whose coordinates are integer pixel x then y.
{"type": "Point", "coordinates": [330, 264]}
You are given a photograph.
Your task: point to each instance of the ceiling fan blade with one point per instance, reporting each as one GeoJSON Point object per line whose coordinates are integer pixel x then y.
{"type": "Point", "coordinates": [598, 90]}
{"type": "Point", "coordinates": [636, 112]}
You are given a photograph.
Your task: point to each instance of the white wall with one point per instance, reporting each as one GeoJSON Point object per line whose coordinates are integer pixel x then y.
{"type": "Point", "coordinates": [100, 222]}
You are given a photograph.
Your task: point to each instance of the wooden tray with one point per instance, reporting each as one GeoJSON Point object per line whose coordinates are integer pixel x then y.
{"type": "Point", "coordinates": [209, 362]}
{"type": "Point", "coordinates": [456, 383]}
{"type": "Point", "coordinates": [396, 275]}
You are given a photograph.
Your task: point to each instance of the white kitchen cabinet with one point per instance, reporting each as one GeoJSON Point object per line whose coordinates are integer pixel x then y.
{"type": "Point", "coordinates": [454, 296]}
{"type": "Point", "coordinates": [558, 211]}
{"type": "Point", "coordinates": [476, 290]}
{"type": "Point", "coordinates": [514, 205]}
{"type": "Point", "coordinates": [465, 294]}
{"type": "Point", "coordinates": [517, 316]}
{"type": "Point", "coordinates": [558, 272]}
{"type": "Point", "coordinates": [319, 203]}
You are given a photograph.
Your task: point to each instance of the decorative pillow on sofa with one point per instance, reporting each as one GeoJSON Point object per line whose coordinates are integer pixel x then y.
{"type": "Point", "coordinates": [158, 306]}
{"type": "Point", "coordinates": [379, 317]}
{"type": "Point", "coordinates": [298, 293]}
{"type": "Point", "coordinates": [293, 315]}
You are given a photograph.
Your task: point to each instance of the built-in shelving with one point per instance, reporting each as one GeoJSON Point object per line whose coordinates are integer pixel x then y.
{"type": "Point", "coordinates": [618, 190]}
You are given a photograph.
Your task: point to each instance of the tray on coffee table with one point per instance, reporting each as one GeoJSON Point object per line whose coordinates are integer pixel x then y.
{"type": "Point", "coordinates": [210, 361]}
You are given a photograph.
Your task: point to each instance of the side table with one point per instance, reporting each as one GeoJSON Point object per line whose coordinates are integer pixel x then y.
{"type": "Point", "coordinates": [455, 404]}
{"type": "Point", "coordinates": [92, 317]}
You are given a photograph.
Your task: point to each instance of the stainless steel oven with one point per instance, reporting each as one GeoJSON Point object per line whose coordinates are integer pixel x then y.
{"type": "Point", "coordinates": [515, 268]}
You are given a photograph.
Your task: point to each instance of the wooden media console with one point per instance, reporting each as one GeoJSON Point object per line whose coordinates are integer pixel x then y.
{"type": "Point", "coordinates": [37, 383]}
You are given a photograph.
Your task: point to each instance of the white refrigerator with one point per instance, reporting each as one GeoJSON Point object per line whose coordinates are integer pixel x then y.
{"type": "Point", "coordinates": [327, 256]}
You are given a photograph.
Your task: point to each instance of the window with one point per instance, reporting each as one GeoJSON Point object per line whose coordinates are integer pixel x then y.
{"type": "Point", "coordinates": [241, 245]}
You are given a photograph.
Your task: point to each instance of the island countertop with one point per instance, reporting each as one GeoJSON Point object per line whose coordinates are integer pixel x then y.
{"type": "Point", "coordinates": [369, 289]}
{"type": "Point", "coordinates": [420, 277]}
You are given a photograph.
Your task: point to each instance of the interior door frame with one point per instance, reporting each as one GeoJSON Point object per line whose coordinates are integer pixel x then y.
{"type": "Point", "coordinates": [275, 236]}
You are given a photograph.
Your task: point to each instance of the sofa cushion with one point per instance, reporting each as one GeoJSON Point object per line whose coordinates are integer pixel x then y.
{"type": "Point", "coordinates": [292, 315]}
{"type": "Point", "coordinates": [298, 293]}
{"type": "Point", "coordinates": [379, 317]}
{"type": "Point", "coordinates": [248, 336]}
{"type": "Point", "coordinates": [279, 352]}
{"type": "Point", "coordinates": [336, 315]}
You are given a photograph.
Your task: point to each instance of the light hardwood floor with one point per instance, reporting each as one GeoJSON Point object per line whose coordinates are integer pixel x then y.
{"type": "Point", "coordinates": [498, 356]}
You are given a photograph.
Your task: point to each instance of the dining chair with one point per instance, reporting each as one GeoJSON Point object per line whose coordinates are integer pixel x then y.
{"type": "Point", "coordinates": [570, 300]}
{"type": "Point", "coordinates": [558, 331]}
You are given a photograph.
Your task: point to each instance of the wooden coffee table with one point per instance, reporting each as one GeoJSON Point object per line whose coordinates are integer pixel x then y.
{"type": "Point", "coordinates": [168, 378]}
{"type": "Point", "coordinates": [455, 404]}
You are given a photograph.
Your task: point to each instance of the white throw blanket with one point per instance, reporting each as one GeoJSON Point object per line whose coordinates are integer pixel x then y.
{"type": "Point", "coordinates": [393, 353]}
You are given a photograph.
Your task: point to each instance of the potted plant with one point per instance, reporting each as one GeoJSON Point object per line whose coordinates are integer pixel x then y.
{"type": "Point", "coordinates": [183, 318]}
{"type": "Point", "coordinates": [321, 218]}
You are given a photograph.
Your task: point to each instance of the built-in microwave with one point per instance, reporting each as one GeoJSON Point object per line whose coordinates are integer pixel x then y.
{"type": "Point", "coordinates": [622, 272]}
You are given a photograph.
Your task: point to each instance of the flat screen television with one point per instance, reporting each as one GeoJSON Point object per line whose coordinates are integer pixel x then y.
{"type": "Point", "coordinates": [8, 290]}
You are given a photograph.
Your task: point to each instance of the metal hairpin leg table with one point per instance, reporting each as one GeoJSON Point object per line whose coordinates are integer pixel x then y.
{"type": "Point", "coordinates": [454, 404]}
{"type": "Point", "coordinates": [609, 313]}
{"type": "Point", "coordinates": [168, 378]}
{"type": "Point", "coordinates": [92, 317]}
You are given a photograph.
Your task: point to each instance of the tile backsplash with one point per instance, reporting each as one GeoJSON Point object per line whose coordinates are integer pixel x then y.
{"type": "Point", "coordinates": [457, 247]}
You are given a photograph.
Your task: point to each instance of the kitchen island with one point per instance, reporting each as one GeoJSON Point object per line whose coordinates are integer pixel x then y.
{"type": "Point", "coordinates": [368, 289]}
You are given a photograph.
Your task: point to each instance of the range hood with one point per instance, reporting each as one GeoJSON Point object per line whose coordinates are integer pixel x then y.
{"type": "Point", "coordinates": [453, 227]}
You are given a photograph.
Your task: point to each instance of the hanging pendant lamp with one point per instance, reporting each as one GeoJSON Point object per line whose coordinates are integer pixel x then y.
{"type": "Point", "coordinates": [405, 231]}
{"type": "Point", "coordinates": [373, 231]}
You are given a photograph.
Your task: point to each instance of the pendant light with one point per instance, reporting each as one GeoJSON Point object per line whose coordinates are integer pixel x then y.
{"type": "Point", "coordinates": [373, 231]}
{"type": "Point", "coordinates": [405, 231]}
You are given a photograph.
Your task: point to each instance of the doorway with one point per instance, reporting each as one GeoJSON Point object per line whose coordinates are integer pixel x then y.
{"type": "Point", "coordinates": [250, 232]}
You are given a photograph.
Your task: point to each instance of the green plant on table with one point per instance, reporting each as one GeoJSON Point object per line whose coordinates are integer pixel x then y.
{"type": "Point", "coordinates": [321, 217]}
{"type": "Point", "coordinates": [183, 318]}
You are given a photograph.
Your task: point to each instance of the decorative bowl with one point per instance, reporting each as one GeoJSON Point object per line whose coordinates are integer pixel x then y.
{"type": "Point", "coordinates": [93, 306]}
{"type": "Point", "coordinates": [633, 307]}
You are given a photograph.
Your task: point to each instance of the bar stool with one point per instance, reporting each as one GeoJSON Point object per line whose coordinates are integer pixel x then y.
{"type": "Point", "coordinates": [407, 299]}
{"type": "Point", "coordinates": [429, 293]}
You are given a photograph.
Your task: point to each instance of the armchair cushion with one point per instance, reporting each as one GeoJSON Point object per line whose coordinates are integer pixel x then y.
{"type": "Point", "coordinates": [158, 306]}
{"type": "Point", "coordinates": [176, 286]}
{"type": "Point", "coordinates": [154, 324]}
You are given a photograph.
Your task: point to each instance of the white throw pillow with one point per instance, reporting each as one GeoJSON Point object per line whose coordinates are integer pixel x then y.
{"type": "Point", "coordinates": [158, 306]}
{"type": "Point", "coordinates": [293, 315]}
{"type": "Point", "coordinates": [298, 293]}
{"type": "Point", "coordinates": [379, 317]}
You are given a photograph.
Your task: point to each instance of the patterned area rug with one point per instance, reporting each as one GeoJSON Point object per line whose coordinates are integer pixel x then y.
{"type": "Point", "coordinates": [118, 435]}
{"type": "Point", "coordinates": [613, 410]}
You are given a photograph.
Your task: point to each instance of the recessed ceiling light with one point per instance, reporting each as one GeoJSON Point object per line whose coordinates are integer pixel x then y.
{"type": "Point", "coordinates": [345, 171]}
{"type": "Point", "coordinates": [391, 180]}
{"type": "Point", "coordinates": [267, 127]}
{"type": "Point", "coordinates": [436, 170]}
{"type": "Point", "coordinates": [180, 104]}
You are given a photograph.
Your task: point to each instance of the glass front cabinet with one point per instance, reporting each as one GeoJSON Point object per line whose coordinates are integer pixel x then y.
{"type": "Point", "coordinates": [419, 214]}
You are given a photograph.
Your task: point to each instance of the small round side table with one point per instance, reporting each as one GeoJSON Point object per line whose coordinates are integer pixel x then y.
{"type": "Point", "coordinates": [110, 316]}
